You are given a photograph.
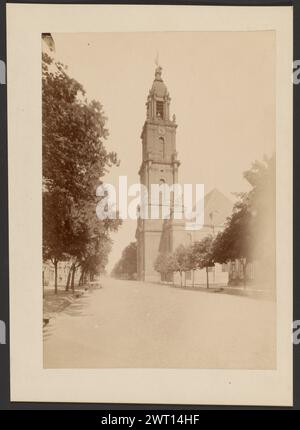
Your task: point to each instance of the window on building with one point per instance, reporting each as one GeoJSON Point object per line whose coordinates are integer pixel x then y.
{"type": "Point", "coordinates": [250, 268]}
{"type": "Point", "coordinates": [224, 267]}
{"type": "Point", "coordinates": [162, 146]}
{"type": "Point", "coordinates": [241, 270]}
{"type": "Point", "coordinates": [160, 109]}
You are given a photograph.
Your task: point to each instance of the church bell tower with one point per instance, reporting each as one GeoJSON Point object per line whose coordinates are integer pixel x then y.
{"type": "Point", "coordinates": [159, 166]}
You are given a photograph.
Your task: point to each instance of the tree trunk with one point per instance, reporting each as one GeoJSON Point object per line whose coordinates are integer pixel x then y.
{"type": "Point", "coordinates": [55, 276]}
{"type": "Point", "coordinates": [68, 279]}
{"type": "Point", "coordinates": [185, 279]}
{"type": "Point", "coordinates": [207, 280]}
{"type": "Point", "coordinates": [73, 278]}
{"type": "Point", "coordinates": [193, 279]}
{"type": "Point", "coordinates": [180, 278]}
{"type": "Point", "coordinates": [80, 282]}
{"type": "Point", "coordinates": [244, 274]}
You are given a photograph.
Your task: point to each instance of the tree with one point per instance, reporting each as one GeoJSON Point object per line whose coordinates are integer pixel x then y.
{"type": "Point", "coordinates": [181, 260]}
{"type": "Point", "coordinates": [191, 263]}
{"type": "Point", "coordinates": [117, 271]}
{"type": "Point", "coordinates": [55, 229]}
{"type": "Point", "coordinates": [235, 241]}
{"type": "Point", "coordinates": [202, 256]}
{"type": "Point", "coordinates": [96, 257]}
{"type": "Point", "coordinates": [250, 231]}
{"type": "Point", "coordinates": [74, 158]}
{"type": "Point", "coordinates": [261, 201]}
{"type": "Point", "coordinates": [89, 243]}
{"type": "Point", "coordinates": [127, 265]}
{"type": "Point", "coordinates": [165, 263]}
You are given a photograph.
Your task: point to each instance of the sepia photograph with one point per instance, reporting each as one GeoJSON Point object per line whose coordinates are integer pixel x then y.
{"type": "Point", "coordinates": [159, 182]}
{"type": "Point", "coordinates": [150, 204]}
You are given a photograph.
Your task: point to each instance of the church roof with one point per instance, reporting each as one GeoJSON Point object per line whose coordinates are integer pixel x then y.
{"type": "Point", "coordinates": [159, 87]}
{"type": "Point", "coordinates": [217, 207]}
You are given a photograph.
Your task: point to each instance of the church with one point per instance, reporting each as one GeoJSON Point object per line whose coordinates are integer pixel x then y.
{"type": "Point", "coordinates": [160, 165]}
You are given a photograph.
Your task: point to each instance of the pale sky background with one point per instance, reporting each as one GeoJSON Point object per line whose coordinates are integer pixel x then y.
{"type": "Point", "coordinates": [222, 86]}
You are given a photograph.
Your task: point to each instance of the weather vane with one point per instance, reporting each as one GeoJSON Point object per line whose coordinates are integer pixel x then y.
{"type": "Point", "coordinates": [157, 59]}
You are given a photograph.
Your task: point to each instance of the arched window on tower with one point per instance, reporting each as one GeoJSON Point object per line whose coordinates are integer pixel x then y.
{"type": "Point", "coordinates": [160, 109]}
{"type": "Point", "coordinates": [162, 146]}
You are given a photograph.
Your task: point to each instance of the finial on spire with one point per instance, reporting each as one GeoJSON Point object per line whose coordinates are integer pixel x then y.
{"type": "Point", "coordinates": [158, 69]}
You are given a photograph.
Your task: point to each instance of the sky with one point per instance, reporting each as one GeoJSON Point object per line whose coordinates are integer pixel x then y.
{"type": "Point", "coordinates": [222, 88]}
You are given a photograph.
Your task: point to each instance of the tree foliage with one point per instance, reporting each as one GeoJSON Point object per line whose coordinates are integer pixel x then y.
{"type": "Point", "coordinates": [249, 232]}
{"type": "Point", "coordinates": [126, 267]}
{"type": "Point", "coordinates": [165, 264]}
{"type": "Point", "coordinates": [74, 155]}
{"type": "Point", "coordinates": [74, 160]}
{"type": "Point", "coordinates": [201, 253]}
{"type": "Point", "coordinates": [181, 260]}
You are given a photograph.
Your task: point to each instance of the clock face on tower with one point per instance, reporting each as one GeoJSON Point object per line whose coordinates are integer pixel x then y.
{"type": "Point", "coordinates": [161, 131]}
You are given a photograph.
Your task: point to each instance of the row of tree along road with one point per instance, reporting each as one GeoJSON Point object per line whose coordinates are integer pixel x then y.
{"type": "Point", "coordinates": [74, 160]}
{"type": "Point", "coordinates": [248, 235]}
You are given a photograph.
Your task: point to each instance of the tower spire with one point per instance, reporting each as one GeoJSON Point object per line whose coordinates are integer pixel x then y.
{"type": "Point", "coordinates": [158, 100]}
{"type": "Point", "coordinates": [158, 68]}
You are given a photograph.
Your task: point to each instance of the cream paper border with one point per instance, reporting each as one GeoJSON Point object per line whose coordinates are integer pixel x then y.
{"type": "Point", "coordinates": [29, 381]}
